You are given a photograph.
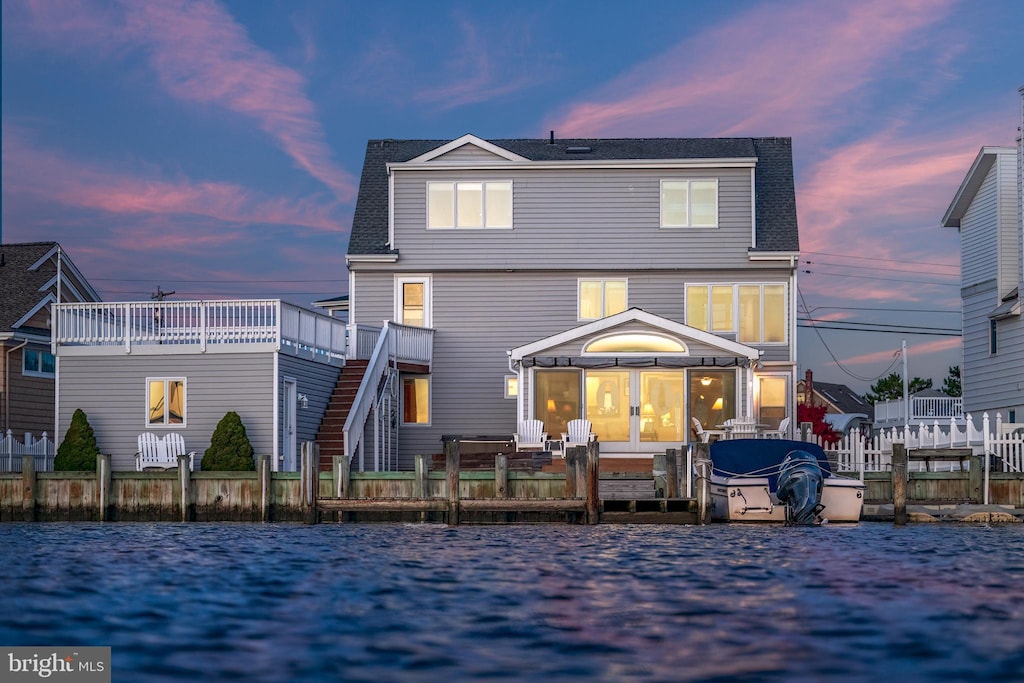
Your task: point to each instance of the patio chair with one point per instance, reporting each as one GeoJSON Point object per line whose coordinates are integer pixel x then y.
{"type": "Point", "coordinates": [578, 433]}
{"type": "Point", "coordinates": [781, 433]}
{"type": "Point", "coordinates": [531, 436]}
{"type": "Point", "coordinates": [704, 435]}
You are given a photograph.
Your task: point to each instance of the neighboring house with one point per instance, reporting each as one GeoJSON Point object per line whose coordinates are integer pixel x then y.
{"type": "Point", "coordinates": [986, 210]}
{"type": "Point", "coordinates": [637, 283]}
{"type": "Point", "coordinates": [846, 410]}
{"type": "Point", "coordinates": [28, 288]}
{"type": "Point", "coordinates": [180, 366]}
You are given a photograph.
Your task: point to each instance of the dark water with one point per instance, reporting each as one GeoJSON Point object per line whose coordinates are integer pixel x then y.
{"type": "Point", "coordinates": [538, 603]}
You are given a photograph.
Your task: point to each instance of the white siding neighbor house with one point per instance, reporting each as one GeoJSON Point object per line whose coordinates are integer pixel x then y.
{"type": "Point", "coordinates": [636, 283]}
{"type": "Point", "coordinates": [987, 212]}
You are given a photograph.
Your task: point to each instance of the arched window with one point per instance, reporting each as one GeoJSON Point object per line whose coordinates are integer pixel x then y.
{"type": "Point", "coordinates": [636, 343]}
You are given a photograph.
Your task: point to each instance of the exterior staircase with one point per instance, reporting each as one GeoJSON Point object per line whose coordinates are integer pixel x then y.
{"type": "Point", "coordinates": [330, 436]}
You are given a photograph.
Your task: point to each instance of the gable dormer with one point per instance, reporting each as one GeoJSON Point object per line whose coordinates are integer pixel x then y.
{"type": "Point", "coordinates": [469, 149]}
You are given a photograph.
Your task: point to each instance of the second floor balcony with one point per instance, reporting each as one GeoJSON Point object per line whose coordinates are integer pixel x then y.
{"type": "Point", "coordinates": [921, 409]}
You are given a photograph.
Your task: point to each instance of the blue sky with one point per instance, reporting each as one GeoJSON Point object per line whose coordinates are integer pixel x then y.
{"type": "Point", "coordinates": [214, 148]}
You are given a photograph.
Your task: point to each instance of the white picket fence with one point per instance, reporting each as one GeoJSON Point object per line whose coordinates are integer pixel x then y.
{"type": "Point", "coordinates": [860, 453]}
{"type": "Point", "coordinates": [12, 451]}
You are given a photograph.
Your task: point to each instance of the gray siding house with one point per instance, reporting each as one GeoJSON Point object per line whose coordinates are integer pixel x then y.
{"type": "Point", "coordinates": [986, 210]}
{"type": "Point", "coordinates": [180, 366]}
{"type": "Point", "coordinates": [637, 283]}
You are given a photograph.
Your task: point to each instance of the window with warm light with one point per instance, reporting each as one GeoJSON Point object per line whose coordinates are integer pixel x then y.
{"type": "Point", "coordinates": [689, 203]}
{"type": "Point", "coordinates": [601, 298]}
{"type": "Point", "coordinates": [755, 312]}
{"type": "Point", "coordinates": [165, 401]}
{"type": "Point", "coordinates": [511, 386]}
{"type": "Point", "coordinates": [469, 204]}
{"type": "Point", "coordinates": [412, 301]}
{"type": "Point", "coordinates": [635, 343]}
{"type": "Point", "coordinates": [416, 401]}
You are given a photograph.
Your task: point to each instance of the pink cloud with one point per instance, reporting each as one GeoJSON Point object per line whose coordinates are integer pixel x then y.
{"type": "Point", "coordinates": [914, 350]}
{"type": "Point", "coordinates": [200, 54]}
{"type": "Point", "coordinates": [774, 68]}
{"type": "Point", "coordinates": [47, 175]}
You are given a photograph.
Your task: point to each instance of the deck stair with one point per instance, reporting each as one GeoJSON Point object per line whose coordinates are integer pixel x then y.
{"type": "Point", "coordinates": [330, 435]}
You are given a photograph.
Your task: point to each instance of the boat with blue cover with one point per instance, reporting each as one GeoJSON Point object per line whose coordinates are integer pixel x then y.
{"type": "Point", "coordinates": [778, 480]}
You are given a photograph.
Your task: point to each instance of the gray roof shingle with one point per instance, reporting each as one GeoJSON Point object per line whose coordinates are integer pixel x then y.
{"type": "Point", "coordinates": [775, 201]}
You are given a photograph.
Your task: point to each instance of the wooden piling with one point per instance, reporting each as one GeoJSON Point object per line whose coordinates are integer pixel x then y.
{"type": "Point", "coordinates": [342, 476]}
{"type": "Point", "coordinates": [310, 480]}
{"type": "Point", "coordinates": [451, 467]}
{"type": "Point", "coordinates": [593, 482]}
{"type": "Point", "coordinates": [702, 463]}
{"type": "Point", "coordinates": [975, 479]}
{"type": "Point", "coordinates": [572, 459]}
{"type": "Point", "coordinates": [28, 488]}
{"type": "Point", "coordinates": [501, 476]}
{"type": "Point", "coordinates": [104, 480]}
{"type": "Point", "coordinates": [266, 492]}
{"type": "Point", "coordinates": [672, 473]}
{"type": "Point", "coordinates": [184, 483]}
{"type": "Point", "coordinates": [421, 476]}
{"type": "Point", "coordinates": [899, 484]}
{"type": "Point", "coordinates": [660, 471]}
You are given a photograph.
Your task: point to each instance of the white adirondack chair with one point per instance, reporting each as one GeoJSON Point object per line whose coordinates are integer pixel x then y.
{"type": "Point", "coordinates": [781, 433]}
{"type": "Point", "coordinates": [531, 436]}
{"type": "Point", "coordinates": [704, 435]}
{"type": "Point", "coordinates": [578, 433]}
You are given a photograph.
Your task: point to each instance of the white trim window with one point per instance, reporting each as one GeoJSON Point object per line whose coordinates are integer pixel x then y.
{"type": "Point", "coordinates": [511, 386]}
{"type": "Point", "coordinates": [599, 298]}
{"type": "Point", "coordinates": [413, 301]}
{"type": "Point", "coordinates": [165, 402]}
{"type": "Point", "coordinates": [469, 204]}
{"type": "Point", "coordinates": [756, 313]}
{"type": "Point", "coordinates": [38, 363]}
{"type": "Point", "coordinates": [416, 401]}
{"type": "Point", "coordinates": [689, 203]}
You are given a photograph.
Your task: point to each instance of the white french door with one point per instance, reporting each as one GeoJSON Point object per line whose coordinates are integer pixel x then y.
{"type": "Point", "coordinates": [636, 410]}
{"type": "Point", "coordinates": [291, 399]}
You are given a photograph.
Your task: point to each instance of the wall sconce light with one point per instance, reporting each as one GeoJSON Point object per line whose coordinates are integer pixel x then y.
{"type": "Point", "coordinates": [303, 401]}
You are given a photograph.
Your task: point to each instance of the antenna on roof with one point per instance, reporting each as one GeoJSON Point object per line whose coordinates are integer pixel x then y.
{"type": "Point", "coordinates": [552, 138]}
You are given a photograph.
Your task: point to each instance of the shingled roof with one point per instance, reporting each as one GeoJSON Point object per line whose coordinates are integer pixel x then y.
{"type": "Point", "coordinates": [775, 200]}
{"type": "Point", "coordinates": [22, 286]}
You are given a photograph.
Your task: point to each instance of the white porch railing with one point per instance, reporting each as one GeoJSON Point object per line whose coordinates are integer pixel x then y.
{"type": "Point", "coordinates": [200, 326]}
{"type": "Point", "coordinates": [12, 451]}
{"type": "Point", "coordinates": [921, 408]}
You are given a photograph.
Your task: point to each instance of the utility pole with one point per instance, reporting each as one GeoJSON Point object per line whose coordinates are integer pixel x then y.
{"type": "Point", "coordinates": [906, 389]}
{"type": "Point", "coordinates": [160, 294]}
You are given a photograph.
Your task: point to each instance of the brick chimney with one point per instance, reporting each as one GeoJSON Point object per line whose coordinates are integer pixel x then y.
{"type": "Point", "coordinates": [809, 388]}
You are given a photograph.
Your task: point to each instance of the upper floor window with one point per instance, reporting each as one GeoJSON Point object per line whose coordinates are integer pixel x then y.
{"type": "Point", "coordinates": [755, 312]}
{"type": "Point", "coordinates": [689, 203]}
{"type": "Point", "coordinates": [601, 298]}
{"type": "Point", "coordinates": [36, 363]}
{"type": "Point", "coordinates": [165, 401]}
{"type": "Point", "coordinates": [412, 301]}
{"type": "Point", "coordinates": [469, 204]}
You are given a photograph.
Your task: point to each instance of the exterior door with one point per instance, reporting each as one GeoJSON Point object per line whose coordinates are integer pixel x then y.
{"type": "Point", "coordinates": [288, 417]}
{"type": "Point", "coordinates": [637, 410]}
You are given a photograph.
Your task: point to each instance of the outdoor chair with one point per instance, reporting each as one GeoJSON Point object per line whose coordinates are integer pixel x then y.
{"type": "Point", "coordinates": [704, 435]}
{"type": "Point", "coordinates": [578, 433]}
{"type": "Point", "coordinates": [157, 452]}
{"type": "Point", "coordinates": [780, 433]}
{"type": "Point", "coordinates": [531, 436]}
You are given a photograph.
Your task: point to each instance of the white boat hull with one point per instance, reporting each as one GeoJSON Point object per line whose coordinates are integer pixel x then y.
{"type": "Point", "coordinates": [747, 499]}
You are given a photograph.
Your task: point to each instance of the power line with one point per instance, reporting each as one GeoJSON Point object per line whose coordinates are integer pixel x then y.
{"type": "Point", "coordinates": [884, 331]}
{"type": "Point", "coordinates": [881, 268]}
{"type": "Point", "coordinates": [870, 308]}
{"type": "Point", "coordinates": [878, 258]}
{"type": "Point", "coordinates": [887, 279]}
{"type": "Point", "coordinates": [881, 325]}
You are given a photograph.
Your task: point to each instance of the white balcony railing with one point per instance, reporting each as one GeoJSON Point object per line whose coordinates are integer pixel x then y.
{"type": "Point", "coordinates": [921, 408]}
{"type": "Point", "coordinates": [199, 326]}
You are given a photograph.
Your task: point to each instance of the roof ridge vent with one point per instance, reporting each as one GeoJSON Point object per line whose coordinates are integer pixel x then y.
{"type": "Point", "coordinates": [578, 150]}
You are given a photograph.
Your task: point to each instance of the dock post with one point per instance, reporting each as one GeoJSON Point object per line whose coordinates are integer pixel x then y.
{"type": "Point", "coordinates": [659, 469]}
{"type": "Point", "coordinates": [184, 482]}
{"type": "Point", "coordinates": [501, 476]}
{"type": "Point", "coordinates": [104, 481]}
{"type": "Point", "coordinates": [899, 484]}
{"type": "Point", "coordinates": [309, 480]}
{"type": "Point", "coordinates": [572, 462]}
{"type": "Point", "coordinates": [593, 482]}
{"type": "Point", "coordinates": [263, 474]}
{"type": "Point", "coordinates": [702, 463]}
{"type": "Point", "coordinates": [672, 473]}
{"type": "Point", "coordinates": [452, 455]}
{"type": "Point", "coordinates": [975, 477]}
{"type": "Point", "coordinates": [342, 476]}
{"type": "Point", "coordinates": [421, 476]}
{"type": "Point", "coordinates": [28, 487]}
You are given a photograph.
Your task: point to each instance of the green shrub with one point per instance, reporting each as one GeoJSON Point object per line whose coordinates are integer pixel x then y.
{"type": "Point", "coordinates": [78, 451]}
{"type": "Point", "coordinates": [229, 449]}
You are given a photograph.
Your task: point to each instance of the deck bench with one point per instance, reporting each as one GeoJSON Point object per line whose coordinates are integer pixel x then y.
{"type": "Point", "coordinates": [161, 452]}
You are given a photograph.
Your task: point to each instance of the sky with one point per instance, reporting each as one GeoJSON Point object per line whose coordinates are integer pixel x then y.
{"type": "Point", "coordinates": [213, 149]}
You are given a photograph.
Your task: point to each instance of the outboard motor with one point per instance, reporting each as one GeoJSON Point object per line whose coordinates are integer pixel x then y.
{"type": "Point", "coordinates": [800, 485]}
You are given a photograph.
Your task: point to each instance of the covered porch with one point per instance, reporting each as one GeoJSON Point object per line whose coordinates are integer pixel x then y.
{"type": "Point", "coordinates": [641, 380]}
